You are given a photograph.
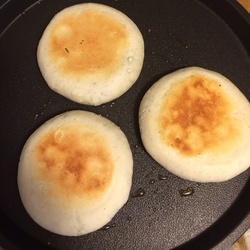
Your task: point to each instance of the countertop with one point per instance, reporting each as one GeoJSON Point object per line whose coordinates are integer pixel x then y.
{"type": "Point", "coordinates": [245, 4]}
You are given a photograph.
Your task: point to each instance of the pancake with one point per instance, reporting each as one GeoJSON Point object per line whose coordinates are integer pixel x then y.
{"type": "Point", "coordinates": [196, 124]}
{"type": "Point", "coordinates": [91, 53]}
{"type": "Point", "coordinates": [75, 173]}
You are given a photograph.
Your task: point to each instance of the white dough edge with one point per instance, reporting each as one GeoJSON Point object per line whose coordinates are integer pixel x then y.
{"type": "Point", "coordinates": [56, 216]}
{"type": "Point", "coordinates": [206, 167]}
{"type": "Point", "coordinates": [94, 89]}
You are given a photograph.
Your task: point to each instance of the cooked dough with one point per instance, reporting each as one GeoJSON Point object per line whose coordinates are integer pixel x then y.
{"type": "Point", "coordinates": [91, 53]}
{"type": "Point", "coordinates": [196, 124]}
{"type": "Point", "coordinates": [75, 173]}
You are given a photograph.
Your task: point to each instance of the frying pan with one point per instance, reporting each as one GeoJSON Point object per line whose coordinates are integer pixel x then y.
{"type": "Point", "coordinates": [158, 215]}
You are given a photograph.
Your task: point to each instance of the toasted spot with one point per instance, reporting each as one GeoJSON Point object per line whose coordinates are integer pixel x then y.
{"type": "Point", "coordinates": [87, 43]}
{"type": "Point", "coordinates": [196, 117]}
{"type": "Point", "coordinates": [75, 162]}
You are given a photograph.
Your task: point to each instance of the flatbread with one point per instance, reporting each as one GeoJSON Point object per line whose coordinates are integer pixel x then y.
{"type": "Point", "coordinates": [75, 173]}
{"type": "Point", "coordinates": [196, 124]}
{"type": "Point", "coordinates": [91, 53]}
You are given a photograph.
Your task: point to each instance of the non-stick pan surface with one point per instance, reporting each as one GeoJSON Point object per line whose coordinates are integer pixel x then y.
{"type": "Point", "coordinates": [177, 33]}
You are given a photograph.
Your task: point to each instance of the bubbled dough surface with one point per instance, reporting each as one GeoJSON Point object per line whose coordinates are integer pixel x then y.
{"type": "Point", "coordinates": [75, 173]}
{"type": "Point", "coordinates": [196, 123]}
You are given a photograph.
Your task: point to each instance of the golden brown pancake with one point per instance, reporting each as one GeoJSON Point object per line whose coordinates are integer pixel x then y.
{"type": "Point", "coordinates": [75, 173]}
{"type": "Point", "coordinates": [91, 53]}
{"type": "Point", "coordinates": [196, 124]}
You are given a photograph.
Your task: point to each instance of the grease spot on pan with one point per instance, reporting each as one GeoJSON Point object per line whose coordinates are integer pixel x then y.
{"type": "Point", "coordinates": [108, 226]}
{"type": "Point", "coordinates": [140, 192]}
{"type": "Point", "coordinates": [186, 192]}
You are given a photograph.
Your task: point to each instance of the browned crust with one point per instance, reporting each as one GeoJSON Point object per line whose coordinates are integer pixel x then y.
{"type": "Point", "coordinates": [74, 162]}
{"type": "Point", "coordinates": [88, 43]}
{"type": "Point", "coordinates": [196, 117]}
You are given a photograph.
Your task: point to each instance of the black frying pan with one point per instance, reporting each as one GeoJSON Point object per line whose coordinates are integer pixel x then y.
{"type": "Point", "coordinates": [158, 215]}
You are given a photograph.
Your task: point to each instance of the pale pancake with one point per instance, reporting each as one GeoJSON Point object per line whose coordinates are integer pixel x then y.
{"type": "Point", "coordinates": [91, 53]}
{"type": "Point", "coordinates": [196, 124]}
{"type": "Point", "coordinates": [75, 173]}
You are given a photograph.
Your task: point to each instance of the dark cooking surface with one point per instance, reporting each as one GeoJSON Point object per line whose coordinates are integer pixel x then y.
{"type": "Point", "coordinates": [177, 34]}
